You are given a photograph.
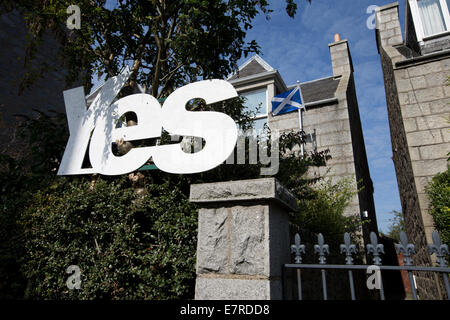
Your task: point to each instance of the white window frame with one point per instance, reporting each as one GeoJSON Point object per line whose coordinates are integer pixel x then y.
{"type": "Point", "coordinates": [418, 21]}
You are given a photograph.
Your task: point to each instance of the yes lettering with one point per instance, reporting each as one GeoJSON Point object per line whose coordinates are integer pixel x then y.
{"type": "Point", "coordinates": [95, 127]}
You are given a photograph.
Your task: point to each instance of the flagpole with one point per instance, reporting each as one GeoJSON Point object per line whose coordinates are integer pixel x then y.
{"type": "Point", "coordinates": [300, 116]}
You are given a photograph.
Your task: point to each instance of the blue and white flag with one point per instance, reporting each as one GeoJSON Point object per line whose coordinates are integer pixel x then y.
{"type": "Point", "coordinates": [287, 102]}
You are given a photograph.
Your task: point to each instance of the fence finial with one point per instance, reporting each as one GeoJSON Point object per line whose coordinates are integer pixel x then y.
{"type": "Point", "coordinates": [375, 249]}
{"type": "Point", "coordinates": [298, 249]}
{"type": "Point", "coordinates": [406, 248]}
{"type": "Point", "coordinates": [439, 248]}
{"type": "Point", "coordinates": [348, 248]}
{"type": "Point", "coordinates": [321, 249]}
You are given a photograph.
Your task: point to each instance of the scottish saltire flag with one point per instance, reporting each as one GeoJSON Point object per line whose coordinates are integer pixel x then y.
{"type": "Point", "coordinates": [287, 101]}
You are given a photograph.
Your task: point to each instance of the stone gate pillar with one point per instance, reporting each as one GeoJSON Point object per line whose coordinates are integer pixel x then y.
{"type": "Point", "coordinates": [243, 238]}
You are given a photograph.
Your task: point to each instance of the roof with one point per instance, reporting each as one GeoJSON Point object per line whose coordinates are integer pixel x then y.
{"type": "Point", "coordinates": [318, 90]}
{"type": "Point", "coordinates": [312, 91]}
{"type": "Point", "coordinates": [255, 65]}
{"type": "Point", "coordinates": [406, 51]}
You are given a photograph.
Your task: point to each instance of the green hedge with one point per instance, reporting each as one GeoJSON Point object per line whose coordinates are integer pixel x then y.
{"type": "Point", "coordinates": [125, 248]}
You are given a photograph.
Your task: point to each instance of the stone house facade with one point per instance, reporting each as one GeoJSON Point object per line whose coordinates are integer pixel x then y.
{"type": "Point", "coordinates": [331, 121]}
{"type": "Point", "coordinates": [415, 69]}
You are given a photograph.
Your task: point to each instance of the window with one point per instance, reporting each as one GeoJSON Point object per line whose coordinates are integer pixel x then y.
{"type": "Point", "coordinates": [257, 102]}
{"type": "Point", "coordinates": [258, 125]}
{"type": "Point", "coordinates": [431, 17]}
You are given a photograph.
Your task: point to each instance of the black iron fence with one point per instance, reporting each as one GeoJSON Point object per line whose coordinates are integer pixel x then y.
{"type": "Point", "coordinates": [374, 249]}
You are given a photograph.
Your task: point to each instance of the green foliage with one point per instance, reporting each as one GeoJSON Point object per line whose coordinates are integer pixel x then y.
{"type": "Point", "coordinates": [439, 193]}
{"type": "Point", "coordinates": [291, 7]}
{"type": "Point", "coordinates": [167, 43]}
{"type": "Point", "coordinates": [45, 138]}
{"type": "Point", "coordinates": [322, 211]}
{"type": "Point", "coordinates": [293, 166]}
{"type": "Point", "coordinates": [13, 198]}
{"type": "Point", "coordinates": [397, 225]}
{"type": "Point", "coordinates": [126, 249]}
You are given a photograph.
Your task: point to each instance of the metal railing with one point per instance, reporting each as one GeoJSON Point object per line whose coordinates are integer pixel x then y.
{"type": "Point", "coordinates": [374, 249]}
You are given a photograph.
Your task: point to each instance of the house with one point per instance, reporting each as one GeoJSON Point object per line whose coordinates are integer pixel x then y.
{"type": "Point", "coordinates": [331, 121]}
{"type": "Point", "coordinates": [415, 69]}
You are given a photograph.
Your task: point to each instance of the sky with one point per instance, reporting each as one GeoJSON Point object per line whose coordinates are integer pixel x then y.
{"type": "Point", "coordinates": [298, 49]}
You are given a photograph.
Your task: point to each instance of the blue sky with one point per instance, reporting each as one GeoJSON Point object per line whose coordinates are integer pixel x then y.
{"type": "Point", "coordinates": [298, 48]}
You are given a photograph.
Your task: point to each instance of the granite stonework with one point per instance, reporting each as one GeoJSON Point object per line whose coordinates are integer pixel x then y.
{"type": "Point", "coordinates": [418, 102]}
{"type": "Point", "coordinates": [236, 289]}
{"type": "Point", "coordinates": [337, 125]}
{"type": "Point", "coordinates": [243, 238]}
{"type": "Point", "coordinates": [331, 122]}
{"type": "Point", "coordinates": [243, 190]}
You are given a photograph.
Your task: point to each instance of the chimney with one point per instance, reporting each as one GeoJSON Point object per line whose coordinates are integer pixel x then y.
{"type": "Point", "coordinates": [388, 30]}
{"type": "Point", "coordinates": [337, 37]}
{"type": "Point", "coordinates": [341, 59]}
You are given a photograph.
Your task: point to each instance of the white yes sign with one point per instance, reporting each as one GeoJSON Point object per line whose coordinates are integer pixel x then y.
{"type": "Point", "coordinates": [217, 129]}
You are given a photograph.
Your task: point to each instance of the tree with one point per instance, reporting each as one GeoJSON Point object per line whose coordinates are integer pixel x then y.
{"type": "Point", "coordinates": [166, 43]}
{"type": "Point", "coordinates": [397, 225]}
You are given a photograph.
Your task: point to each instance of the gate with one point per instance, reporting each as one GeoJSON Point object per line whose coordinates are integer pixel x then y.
{"type": "Point", "coordinates": [375, 249]}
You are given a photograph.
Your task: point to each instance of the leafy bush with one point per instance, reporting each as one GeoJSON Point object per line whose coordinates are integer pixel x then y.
{"type": "Point", "coordinates": [126, 249]}
{"type": "Point", "coordinates": [19, 180]}
{"type": "Point", "coordinates": [439, 194]}
{"type": "Point", "coordinates": [323, 210]}
{"type": "Point", "coordinates": [13, 198]}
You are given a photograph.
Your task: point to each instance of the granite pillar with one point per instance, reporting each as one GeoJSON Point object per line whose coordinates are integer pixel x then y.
{"type": "Point", "coordinates": [243, 239]}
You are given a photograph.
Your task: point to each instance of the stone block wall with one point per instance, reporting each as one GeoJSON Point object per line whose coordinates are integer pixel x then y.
{"type": "Point", "coordinates": [338, 129]}
{"type": "Point", "coordinates": [331, 124]}
{"type": "Point", "coordinates": [346, 93]}
{"type": "Point", "coordinates": [362, 172]}
{"type": "Point", "coordinates": [243, 239]}
{"type": "Point", "coordinates": [418, 101]}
